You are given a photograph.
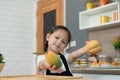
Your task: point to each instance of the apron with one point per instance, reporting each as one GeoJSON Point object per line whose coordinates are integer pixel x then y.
{"type": "Point", "coordinates": [65, 73]}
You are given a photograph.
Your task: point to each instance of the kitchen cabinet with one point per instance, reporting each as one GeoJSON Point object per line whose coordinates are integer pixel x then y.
{"type": "Point", "coordinates": [90, 19]}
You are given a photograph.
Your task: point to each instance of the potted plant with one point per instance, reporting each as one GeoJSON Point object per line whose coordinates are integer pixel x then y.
{"type": "Point", "coordinates": [1, 62]}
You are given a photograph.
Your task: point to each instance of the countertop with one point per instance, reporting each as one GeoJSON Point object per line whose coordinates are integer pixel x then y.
{"type": "Point", "coordinates": [96, 71]}
{"type": "Point", "coordinates": [42, 77]}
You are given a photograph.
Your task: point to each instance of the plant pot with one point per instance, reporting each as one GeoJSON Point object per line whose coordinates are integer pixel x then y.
{"type": "Point", "coordinates": [1, 66]}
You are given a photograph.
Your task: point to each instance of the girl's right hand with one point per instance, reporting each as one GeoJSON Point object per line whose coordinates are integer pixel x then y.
{"type": "Point", "coordinates": [52, 67]}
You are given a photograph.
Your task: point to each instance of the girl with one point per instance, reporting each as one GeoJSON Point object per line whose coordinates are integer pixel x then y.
{"type": "Point", "coordinates": [57, 40]}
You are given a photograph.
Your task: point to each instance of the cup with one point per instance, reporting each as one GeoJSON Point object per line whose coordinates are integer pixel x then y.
{"type": "Point", "coordinates": [90, 5]}
{"type": "Point", "coordinates": [115, 16]}
{"type": "Point", "coordinates": [104, 19]}
{"type": "Point", "coordinates": [104, 2]}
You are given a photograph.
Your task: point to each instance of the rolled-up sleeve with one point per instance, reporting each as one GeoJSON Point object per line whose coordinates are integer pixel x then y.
{"type": "Point", "coordinates": [40, 58]}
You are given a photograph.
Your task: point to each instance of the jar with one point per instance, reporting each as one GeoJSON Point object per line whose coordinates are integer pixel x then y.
{"type": "Point", "coordinates": [117, 55]}
{"type": "Point", "coordinates": [104, 60]}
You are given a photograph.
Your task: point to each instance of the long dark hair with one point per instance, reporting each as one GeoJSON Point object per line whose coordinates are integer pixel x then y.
{"type": "Point", "coordinates": [54, 29]}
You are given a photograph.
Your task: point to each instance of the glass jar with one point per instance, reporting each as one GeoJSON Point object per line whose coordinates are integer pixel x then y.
{"type": "Point", "coordinates": [104, 60]}
{"type": "Point", "coordinates": [117, 55]}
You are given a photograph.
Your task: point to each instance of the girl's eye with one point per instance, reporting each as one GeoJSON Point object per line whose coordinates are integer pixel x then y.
{"type": "Point", "coordinates": [63, 42]}
{"type": "Point", "coordinates": [56, 37]}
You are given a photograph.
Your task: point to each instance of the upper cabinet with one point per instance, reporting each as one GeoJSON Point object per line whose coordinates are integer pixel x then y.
{"type": "Point", "coordinates": [91, 19]}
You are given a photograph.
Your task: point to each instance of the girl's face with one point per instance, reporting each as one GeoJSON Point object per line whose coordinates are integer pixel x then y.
{"type": "Point", "coordinates": [57, 41]}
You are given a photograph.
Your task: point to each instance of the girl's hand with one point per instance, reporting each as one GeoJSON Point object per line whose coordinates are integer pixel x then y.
{"type": "Point", "coordinates": [52, 67]}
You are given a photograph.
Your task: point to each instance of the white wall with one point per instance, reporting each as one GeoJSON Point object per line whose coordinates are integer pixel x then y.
{"type": "Point", "coordinates": [18, 36]}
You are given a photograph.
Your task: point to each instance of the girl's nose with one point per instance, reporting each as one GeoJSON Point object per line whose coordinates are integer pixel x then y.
{"type": "Point", "coordinates": [59, 42]}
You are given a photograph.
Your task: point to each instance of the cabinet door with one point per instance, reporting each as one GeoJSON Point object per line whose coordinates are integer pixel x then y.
{"type": "Point", "coordinates": [46, 10]}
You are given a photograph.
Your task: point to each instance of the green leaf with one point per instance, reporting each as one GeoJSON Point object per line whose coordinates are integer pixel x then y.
{"type": "Point", "coordinates": [1, 58]}
{"type": "Point", "coordinates": [116, 45]}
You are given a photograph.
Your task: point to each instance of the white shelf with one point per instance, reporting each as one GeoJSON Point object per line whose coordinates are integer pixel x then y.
{"type": "Point", "coordinates": [90, 19]}
{"type": "Point", "coordinates": [103, 26]}
{"type": "Point", "coordinates": [101, 9]}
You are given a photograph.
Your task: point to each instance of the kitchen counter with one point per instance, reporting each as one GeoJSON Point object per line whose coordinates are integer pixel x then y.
{"type": "Point", "coordinates": [95, 71]}
{"type": "Point", "coordinates": [42, 77]}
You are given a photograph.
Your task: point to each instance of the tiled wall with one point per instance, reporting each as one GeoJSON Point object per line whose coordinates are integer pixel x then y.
{"type": "Point", "coordinates": [17, 36]}
{"type": "Point", "coordinates": [105, 36]}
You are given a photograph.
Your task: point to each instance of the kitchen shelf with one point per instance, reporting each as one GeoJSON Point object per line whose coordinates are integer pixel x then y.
{"type": "Point", "coordinates": [90, 19]}
{"type": "Point", "coordinates": [103, 26]}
